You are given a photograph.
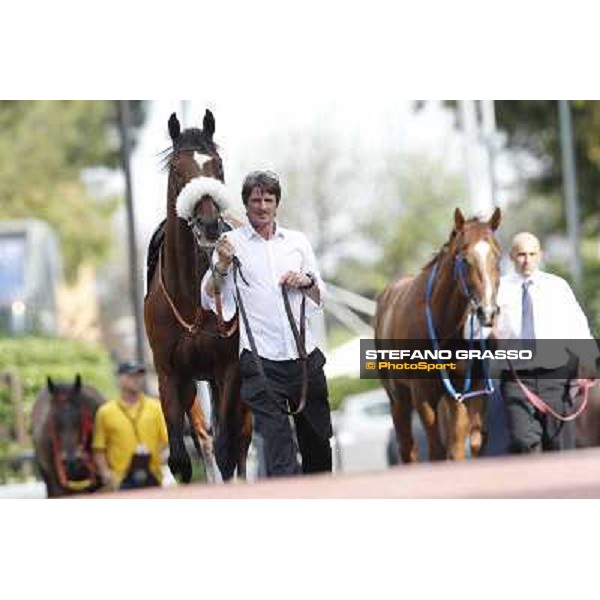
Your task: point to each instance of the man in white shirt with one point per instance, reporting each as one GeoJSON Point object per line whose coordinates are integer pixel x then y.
{"type": "Point", "coordinates": [272, 257]}
{"type": "Point", "coordinates": [536, 305]}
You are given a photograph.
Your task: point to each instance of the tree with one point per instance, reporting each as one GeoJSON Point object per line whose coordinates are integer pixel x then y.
{"type": "Point", "coordinates": [44, 148]}
{"type": "Point", "coordinates": [416, 198]}
{"type": "Point", "coordinates": [531, 130]}
{"type": "Point", "coordinates": [370, 218]}
{"type": "Point", "coordinates": [532, 126]}
{"type": "Point", "coordinates": [320, 187]}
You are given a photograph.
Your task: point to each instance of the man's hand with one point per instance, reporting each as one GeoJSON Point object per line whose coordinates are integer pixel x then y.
{"type": "Point", "coordinates": [583, 382]}
{"type": "Point", "coordinates": [225, 253]}
{"type": "Point", "coordinates": [107, 477]}
{"type": "Point", "coordinates": [109, 481]}
{"type": "Point", "coordinates": [294, 279]}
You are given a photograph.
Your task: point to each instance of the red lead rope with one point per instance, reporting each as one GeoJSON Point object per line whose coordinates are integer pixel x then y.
{"type": "Point", "coordinates": [546, 409]}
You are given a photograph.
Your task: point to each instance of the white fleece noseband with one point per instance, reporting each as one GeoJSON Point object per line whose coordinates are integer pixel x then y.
{"type": "Point", "coordinates": [195, 189]}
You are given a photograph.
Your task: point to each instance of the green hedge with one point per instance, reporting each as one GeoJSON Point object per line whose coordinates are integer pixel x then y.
{"type": "Point", "coordinates": [34, 358]}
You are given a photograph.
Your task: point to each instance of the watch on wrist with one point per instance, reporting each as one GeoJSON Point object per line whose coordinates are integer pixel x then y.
{"type": "Point", "coordinates": [313, 281]}
{"type": "Point", "coordinates": [219, 272]}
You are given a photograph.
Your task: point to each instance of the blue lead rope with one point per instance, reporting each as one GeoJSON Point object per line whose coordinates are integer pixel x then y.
{"type": "Point", "coordinates": [466, 393]}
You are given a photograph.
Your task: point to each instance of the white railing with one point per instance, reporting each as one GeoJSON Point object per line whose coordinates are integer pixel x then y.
{"type": "Point", "coordinates": [344, 304]}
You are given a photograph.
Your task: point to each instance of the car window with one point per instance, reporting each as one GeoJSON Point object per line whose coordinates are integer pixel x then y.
{"type": "Point", "coordinates": [12, 268]}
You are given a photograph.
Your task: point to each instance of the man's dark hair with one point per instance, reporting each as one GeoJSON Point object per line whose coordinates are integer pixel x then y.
{"type": "Point", "coordinates": [267, 181]}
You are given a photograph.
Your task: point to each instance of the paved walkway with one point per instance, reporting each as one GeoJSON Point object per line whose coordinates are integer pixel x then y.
{"type": "Point", "coordinates": [574, 474]}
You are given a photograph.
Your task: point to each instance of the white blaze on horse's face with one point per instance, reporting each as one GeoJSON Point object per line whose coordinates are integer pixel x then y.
{"type": "Point", "coordinates": [202, 159]}
{"type": "Point", "coordinates": [482, 251]}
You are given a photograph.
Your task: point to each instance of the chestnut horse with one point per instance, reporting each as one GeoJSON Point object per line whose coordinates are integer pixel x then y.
{"type": "Point", "coordinates": [461, 280]}
{"type": "Point", "coordinates": [187, 342]}
{"type": "Point", "coordinates": [62, 421]}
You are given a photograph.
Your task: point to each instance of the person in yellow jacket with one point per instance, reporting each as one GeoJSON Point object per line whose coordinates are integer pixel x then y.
{"type": "Point", "coordinates": [130, 434]}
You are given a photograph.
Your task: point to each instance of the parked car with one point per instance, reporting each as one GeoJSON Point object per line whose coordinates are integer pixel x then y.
{"type": "Point", "coordinates": [364, 437]}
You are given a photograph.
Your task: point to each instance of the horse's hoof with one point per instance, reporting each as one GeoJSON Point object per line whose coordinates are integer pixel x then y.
{"type": "Point", "coordinates": [181, 467]}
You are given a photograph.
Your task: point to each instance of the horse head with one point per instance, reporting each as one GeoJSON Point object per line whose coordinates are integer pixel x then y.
{"type": "Point", "coordinates": [476, 256]}
{"type": "Point", "coordinates": [71, 427]}
{"type": "Point", "coordinates": [196, 180]}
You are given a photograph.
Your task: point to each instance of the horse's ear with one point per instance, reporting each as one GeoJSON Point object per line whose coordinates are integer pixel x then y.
{"type": "Point", "coordinates": [50, 384]}
{"type": "Point", "coordinates": [174, 127]}
{"type": "Point", "coordinates": [494, 222]}
{"type": "Point", "coordinates": [459, 219]}
{"type": "Point", "coordinates": [77, 385]}
{"type": "Point", "coordinates": [208, 124]}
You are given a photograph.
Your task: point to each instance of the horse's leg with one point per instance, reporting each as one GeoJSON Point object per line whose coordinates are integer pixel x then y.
{"type": "Point", "coordinates": [204, 446]}
{"type": "Point", "coordinates": [174, 411]}
{"type": "Point", "coordinates": [233, 426]}
{"type": "Point", "coordinates": [187, 390]}
{"type": "Point", "coordinates": [203, 439]}
{"type": "Point", "coordinates": [429, 419]}
{"type": "Point", "coordinates": [46, 468]}
{"type": "Point", "coordinates": [476, 412]}
{"type": "Point", "coordinates": [241, 419]}
{"type": "Point", "coordinates": [245, 437]}
{"type": "Point", "coordinates": [401, 407]}
{"type": "Point", "coordinates": [199, 424]}
{"type": "Point", "coordinates": [457, 427]}
{"type": "Point", "coordinates": [224, 432]}
{"type": "Point", "coordinates": [53, 488]}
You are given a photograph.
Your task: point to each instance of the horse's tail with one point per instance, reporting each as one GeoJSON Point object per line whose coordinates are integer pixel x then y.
{"type": "Point", "coordinates": [153, 252]}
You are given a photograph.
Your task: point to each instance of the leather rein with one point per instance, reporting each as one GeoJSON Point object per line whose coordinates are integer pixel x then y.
{"type": "Point", "coordinates": [196, 326]}
{"type": "Point", "coordinates": [299, 338]}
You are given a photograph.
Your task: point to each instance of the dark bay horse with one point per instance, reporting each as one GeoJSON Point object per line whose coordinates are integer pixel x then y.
{"type": "Point", "coordinates": [188, 343]}
{"type": "Point", "coordinates": [462, 279]}
{"type": "Point", "coordinates": [62, 423]}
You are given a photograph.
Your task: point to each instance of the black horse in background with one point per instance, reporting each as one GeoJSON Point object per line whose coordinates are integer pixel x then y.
{"type": "Point", "coordinates": [62, 423]}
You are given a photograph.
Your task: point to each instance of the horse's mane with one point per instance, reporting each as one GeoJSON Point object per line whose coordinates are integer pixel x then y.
{"type": "Point", "coordinates": [446, 247]}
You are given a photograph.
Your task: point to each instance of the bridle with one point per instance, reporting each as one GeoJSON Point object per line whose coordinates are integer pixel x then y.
{"type": "Point", "coordinates": [196, 326]}
{"type": "Point", "coordinates": [460, 275]}
{"type": "Point", "coordinates": [475, 309]}
{"type": "Point", "coordinates": [199, 228]}
{"type": "Point", "coordinates": [86, 430]}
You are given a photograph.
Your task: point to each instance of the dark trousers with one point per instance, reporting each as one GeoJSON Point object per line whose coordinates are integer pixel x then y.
{"type": "Point", "coordinates": [529, 430]}
{"type": "Point", "coordinates": [312, 426]}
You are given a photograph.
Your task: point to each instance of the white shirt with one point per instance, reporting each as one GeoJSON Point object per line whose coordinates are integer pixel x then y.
{"type": "Point", "coordinates": [263, 262]}
{"type": "Point", "coordinates": [556, 314]}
